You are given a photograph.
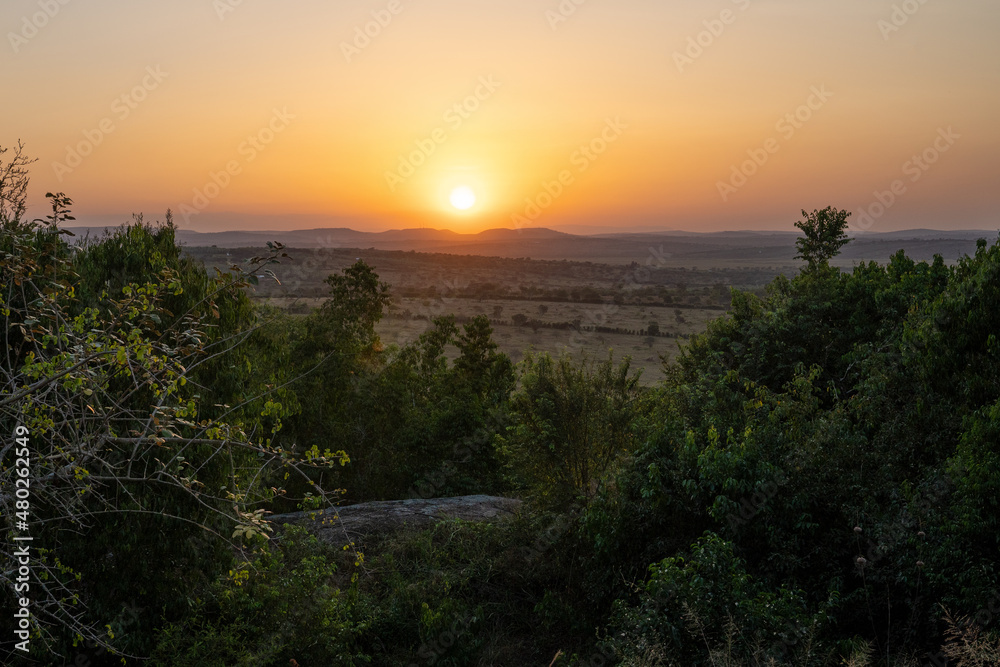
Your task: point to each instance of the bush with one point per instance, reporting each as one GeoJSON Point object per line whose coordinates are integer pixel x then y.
{"type": "Point", "coordinates": [287, 602]}
{"type": "Point", "coordinates": [571, 423]}
{"type": "Point", "coordinates": [708, 601]}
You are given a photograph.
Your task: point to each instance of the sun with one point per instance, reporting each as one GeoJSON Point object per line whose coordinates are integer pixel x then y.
{"type": "Point", "coordinates": [463, 198]}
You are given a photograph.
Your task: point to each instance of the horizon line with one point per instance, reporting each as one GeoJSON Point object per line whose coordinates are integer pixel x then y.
{"type": "Point", "coordinates": [637, 232]}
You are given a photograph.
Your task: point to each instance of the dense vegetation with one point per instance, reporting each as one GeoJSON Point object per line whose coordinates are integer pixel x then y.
{"type": "Point", "coordinates": [814, 482]}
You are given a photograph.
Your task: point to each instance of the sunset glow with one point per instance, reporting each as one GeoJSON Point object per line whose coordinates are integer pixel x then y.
{"type": "Point", "coordinates": [625, 115]}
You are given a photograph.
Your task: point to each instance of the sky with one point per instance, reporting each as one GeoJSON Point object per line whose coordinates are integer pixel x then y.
{"type": "Point", "coordinates": [579, 115]}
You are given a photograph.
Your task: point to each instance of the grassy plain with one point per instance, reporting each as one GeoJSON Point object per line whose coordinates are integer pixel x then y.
{"type": "Point", "coordinates": [514, 340]}
{"type": "Point", "coordinates": [585, 295]}
{"type": "Point", "coordinates": [584, 308]}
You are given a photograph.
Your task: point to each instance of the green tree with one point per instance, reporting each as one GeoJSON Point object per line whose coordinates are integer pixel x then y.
{"type": "Point", "coordinates": [330, 353]}
{"type": "Point", "coordinates": [135, 488]}
{"type": "Point", "coordinates": [570, 424]}
{"type": "Point", "coordinates": [873, 393]}
{"type": "Point", "coordinates": [707, 600]}
{"type": "Point", "coordinates": [424, 425]}
{"type": "Point", "coordinates": [357, 300]}
{"type": "Point", "coordinates": [416, 424]}
{"type": "Point", "coordinates": [284, 604]}
{"type": "Point", "coordinates": [824, 234]}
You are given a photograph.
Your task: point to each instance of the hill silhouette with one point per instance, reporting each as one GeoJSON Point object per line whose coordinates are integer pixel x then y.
{"type": "Point", "coordinates": [679, 248]}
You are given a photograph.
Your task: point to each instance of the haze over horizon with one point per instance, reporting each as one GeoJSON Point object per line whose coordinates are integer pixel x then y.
{"type": "Point", "coordinates": [565, 114]}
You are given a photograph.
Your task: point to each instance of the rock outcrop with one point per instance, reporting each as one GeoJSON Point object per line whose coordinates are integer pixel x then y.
{"type": "Point", "coordinates": [380, 517]}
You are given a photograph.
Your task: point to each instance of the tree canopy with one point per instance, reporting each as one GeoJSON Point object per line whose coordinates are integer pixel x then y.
{"type": "Point", "coordinates": [824, 233]}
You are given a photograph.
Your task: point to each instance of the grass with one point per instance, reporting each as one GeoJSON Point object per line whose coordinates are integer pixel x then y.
{"type": "Point", "coordinates": [402, 327]}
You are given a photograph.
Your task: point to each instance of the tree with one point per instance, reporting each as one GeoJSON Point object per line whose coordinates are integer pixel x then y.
{"type": "Point", "coordinates": [118, 448]}
{"type": "Point", "coordinates": [480, 365]}
{"type": "Point", "coordinates": [329, 352]}
{"type": "Point", "coordinates": [356, 304]}
{"type": "Point", "coordinates": [13, 186]}
{"type": "Point", "coordinates": [126, 473]}
{"type": "Point", "coordinates": [708, 591]}
{"type": "Point", "coordinates": [823, 236]}
{"type": "Point", "coordinates": [571, 422]}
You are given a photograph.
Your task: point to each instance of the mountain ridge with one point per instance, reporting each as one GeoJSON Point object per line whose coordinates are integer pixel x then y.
{"type": "Point", "coordinates": [679, 248]}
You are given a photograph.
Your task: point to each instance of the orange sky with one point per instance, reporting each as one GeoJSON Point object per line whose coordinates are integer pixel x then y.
{"type": "Point", "coordinates": [624, 114]}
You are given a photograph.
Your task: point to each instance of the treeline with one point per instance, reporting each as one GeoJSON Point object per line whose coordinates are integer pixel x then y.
{"type": "Point", "coordinates": [716, 296]}
{"type": "Point", "coordinates": [521, 320]}
{"type": "Point", "coordinates": [813, 482]}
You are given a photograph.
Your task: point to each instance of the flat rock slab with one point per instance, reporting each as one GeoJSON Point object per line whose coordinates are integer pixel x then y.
{"type": "Point", "coordinates": [385, 516]}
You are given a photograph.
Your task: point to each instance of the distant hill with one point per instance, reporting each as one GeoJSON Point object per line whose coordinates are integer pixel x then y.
{"type": "Point", "coordinates": [676, 248]}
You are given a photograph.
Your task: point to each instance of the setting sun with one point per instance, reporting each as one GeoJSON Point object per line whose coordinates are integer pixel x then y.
{"type": "Point", "coordinates": [463, 198]}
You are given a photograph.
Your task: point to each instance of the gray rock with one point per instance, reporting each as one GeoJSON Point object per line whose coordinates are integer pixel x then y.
{"type": "Point", "coordinates": [380, 517]}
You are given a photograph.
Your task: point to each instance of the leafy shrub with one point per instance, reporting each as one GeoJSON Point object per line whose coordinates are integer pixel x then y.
{"type": "Point", "coordinates": [288, 601]}
{"type": "Point", "coordinates": [708, 601]}
{"type": "Point", "coordinates": [571, 423]}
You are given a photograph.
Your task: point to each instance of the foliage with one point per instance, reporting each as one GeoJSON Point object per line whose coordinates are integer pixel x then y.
{"type": "Point", "coordinates": [418, 425]}
{"type": "Point", "coordinates": [13, 187]}
{"type": "Point", "coordinates": [968, 646]}
{"type": "Point", "coordinates": [707, 599]}
{"type": "Point", "coordinates": [126, 473]}
{"type": "Point", "coordinates": [823, 235]}
{"type": "Point", "coordinates": [838, 434]}
{"type": "Point", "coordinates": [571, 424]}
{"type": "Point", "coordinates": [287, 602]}
{"type": "Point", "coordinates": [464, 593]}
